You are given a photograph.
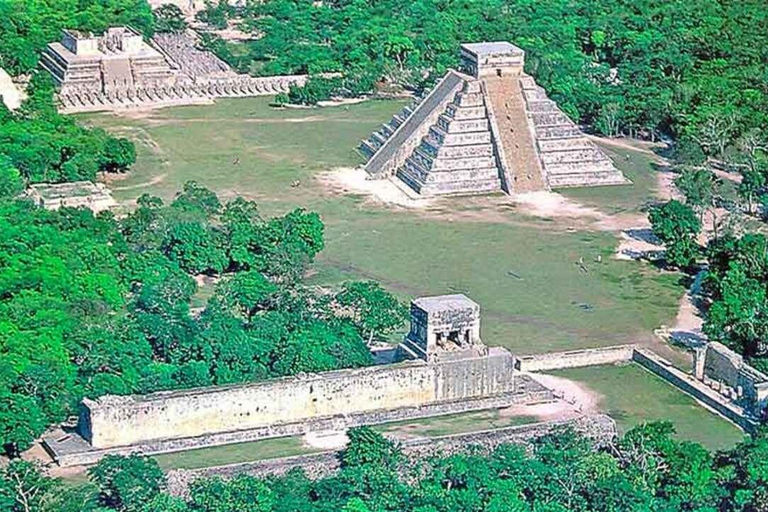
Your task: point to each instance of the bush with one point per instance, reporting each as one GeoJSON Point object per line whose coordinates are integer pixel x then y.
{"type": "Point", "coordinates": [316, 89]}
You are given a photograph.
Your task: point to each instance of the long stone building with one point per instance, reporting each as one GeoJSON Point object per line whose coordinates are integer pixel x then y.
{"type": "Point", "coordinates": [486, 128]}
{"type": "Point", "coordinates": [119, 69]}
{"type": "Point", "coordinates": [443, 368]}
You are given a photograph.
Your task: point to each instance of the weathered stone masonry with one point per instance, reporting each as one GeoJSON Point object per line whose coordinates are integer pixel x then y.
{"type": "Point", "coordinates": [118, 421]}
{"type": "Point", "coordinates": [118, 69]}
{"type": "Point", "coordinates": [446, 369]}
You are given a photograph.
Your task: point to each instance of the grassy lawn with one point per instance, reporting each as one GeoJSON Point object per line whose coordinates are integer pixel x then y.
{"type": "Point", "coordinates": [233, 453]}
{"type": "Point", "coordinates": [636, 166]}
{"type": "Point", "coordinates": [245, 147]}
{"type": "Point", "coordinates": [632, 395]}
{"type": "Point", "coordinates": [454, 424]}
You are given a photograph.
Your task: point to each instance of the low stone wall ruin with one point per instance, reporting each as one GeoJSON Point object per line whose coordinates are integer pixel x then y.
{"type": "Point", "coordinates": [73, 100]}
{"type": "Point", "coordinates": [687, 383]}
{"type": "Point", "coordinates": [575, 358]}
{"type": "Point", "coordinates": [722, 404]}
{"type": "Point", "coordinates": [600, 428]}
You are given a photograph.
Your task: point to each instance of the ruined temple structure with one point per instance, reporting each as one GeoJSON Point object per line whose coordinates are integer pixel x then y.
{"type": "Point", "coordinates": [444, 369]}
{"type": "Point", "coordinates": [726, 372]}
{"type": "Point", "coordinates": [483, 129]}
{"type": "Point", "coordinates": [120, 69]}
{"type": "Point", "coordinates": [74, 194]}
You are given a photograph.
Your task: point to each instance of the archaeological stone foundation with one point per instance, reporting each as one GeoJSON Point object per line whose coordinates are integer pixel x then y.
{"type": "Point", "coordinates": [486, 128]}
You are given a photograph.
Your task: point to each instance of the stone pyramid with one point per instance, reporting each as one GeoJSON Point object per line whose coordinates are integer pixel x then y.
{"type": "Point", "coordinates": [490, 128]}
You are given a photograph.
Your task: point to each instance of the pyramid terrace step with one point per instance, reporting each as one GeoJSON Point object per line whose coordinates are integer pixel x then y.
{"type": "Point", "coordinates": [464, 187]}
{"type": "Point", "coordinates": [459, 112]}
{"type": "Point", "coordinates": [535, 94]}
{"type": "Point", "coordinates": [482, 174]}
{"type": "Point", "coordinates": [563, 131]}
{"type": "Point", "coordinates": [377, 139]}
{"type": "Point", "coordinates": [415, 169]}
{"type": "Point", "coordinates": [450, 164]}
{"type": "Point", "coordinates": [563, 168]}
{"type": "Point", "coordinates": [366, 149]}
{"type": "Point", "coordinates": [527, 82]}
{"type": "Point", "coordinates": [549, 118]}
{"type": "Point", "coordinates": [459, 139]}
{"type": "Point", "coordinates": [386, 130]}
{"type": "Point", "coordinates": [451, 125]}
{"type": "Point", "coordinates": [472, 86]}
{"type": "Point", "coordinates": [543, 106]}
{"type": "Point", "coordinates": [573, 156]}
{"type": "Point", "coordinates": [407, 178]}
{"type": "Point", "coordinates": [435, 149]}
{"type": "Point", "coordinates": [567, 144]}
{"type": "Point", "coordinates": [587, 179]}
{"type": "Point", "coordinates": [471, 99]}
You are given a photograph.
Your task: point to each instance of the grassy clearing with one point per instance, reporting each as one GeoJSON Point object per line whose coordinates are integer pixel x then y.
{"type": "Point", "coordinates": [454, 424]}
{"type": "Point", "coordinates": [245, 147]}
{"type": "Point", "coordinates": [233, 453]}
{"type": "Point", "coordinates": [632, 395]}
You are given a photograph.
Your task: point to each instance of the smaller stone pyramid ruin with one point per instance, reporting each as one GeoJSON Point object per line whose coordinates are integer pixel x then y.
{"type": "Point", "coordinates": [487, 128]}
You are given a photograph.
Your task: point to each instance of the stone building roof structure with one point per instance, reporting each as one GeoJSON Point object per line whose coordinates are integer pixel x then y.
{"type": "Point", "coordinates": [52, 196]}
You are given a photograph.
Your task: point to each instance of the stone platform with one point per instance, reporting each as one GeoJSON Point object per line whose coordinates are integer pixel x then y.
{"type": "Point", "coordinates": [119, 70]}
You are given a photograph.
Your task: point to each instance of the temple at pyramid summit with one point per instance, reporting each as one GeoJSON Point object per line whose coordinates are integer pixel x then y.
{"type": "Point", "coordinates": [486, 128]}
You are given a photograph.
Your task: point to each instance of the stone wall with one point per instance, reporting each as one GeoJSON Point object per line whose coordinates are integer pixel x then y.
{"type": "Point", "coordinates": [600, 428]}
{"type": "Point", "coordinates": [576, 358]}
{"type": "Point", "coordinates": [72, 450]}
{"type": "Point", "coordinates": [118, 421]}
{"type": "Point", "coordinates": [726, 371]}
{"type": "Point", "coordinates": [697, 389]}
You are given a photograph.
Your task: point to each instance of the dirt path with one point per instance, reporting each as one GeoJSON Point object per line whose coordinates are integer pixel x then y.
{"type": "Point", "coordinates": [153, 181]}
{"type": "Point", "coordinates": [573, 399]}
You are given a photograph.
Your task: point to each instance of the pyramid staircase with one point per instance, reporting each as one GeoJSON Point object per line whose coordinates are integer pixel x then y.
{"type": "Point", "coordinates": [372, 144]}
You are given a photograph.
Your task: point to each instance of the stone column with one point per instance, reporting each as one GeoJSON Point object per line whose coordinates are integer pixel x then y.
{"type": "Point", "coordinates": [699, 356]}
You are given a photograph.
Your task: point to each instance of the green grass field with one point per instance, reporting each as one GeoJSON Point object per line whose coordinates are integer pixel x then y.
{"type": "Point", "coordinates": [233, 453]}
{"type": "Point", "coordinates": [632, 395]}
{"type": "Point", "coordinates": [246, 147]}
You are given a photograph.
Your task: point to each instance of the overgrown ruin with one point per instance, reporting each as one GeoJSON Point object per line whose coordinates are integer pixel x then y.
{"type": "Point", "coordinates": [486, 128]}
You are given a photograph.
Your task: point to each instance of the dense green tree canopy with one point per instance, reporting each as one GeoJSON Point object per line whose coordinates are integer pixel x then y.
{"type": "Point", "coordinates": [92, 305]}
{"type": "Point", "coordinates": [645, 470]}
{"type": "Point", "coordinates": [44, 146]}
{"type": "Point", "coordinates": [26, 26]}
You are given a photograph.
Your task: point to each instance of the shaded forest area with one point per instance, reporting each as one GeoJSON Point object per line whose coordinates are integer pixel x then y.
{"type": "Point", "coordinates": [645, 470]}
